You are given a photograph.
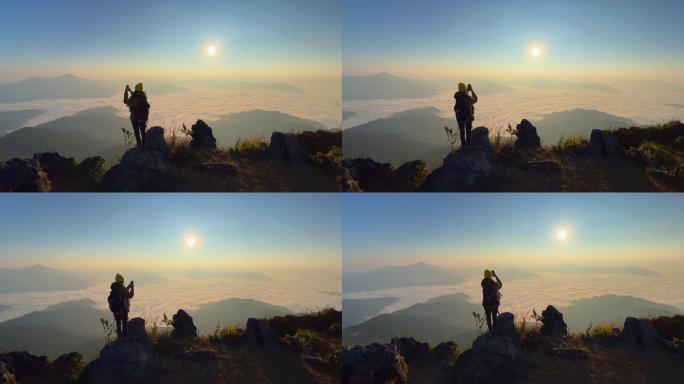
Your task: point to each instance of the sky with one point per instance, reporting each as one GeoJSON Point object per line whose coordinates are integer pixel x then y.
{"type": "Point", "coordinates": [514, 230]}
{"type": "Point", "coordinates": [257, 39]}
{"type": "Point", "coordinates": [583, 39]}
{"type": "Point", "coordinates": [245, 232]}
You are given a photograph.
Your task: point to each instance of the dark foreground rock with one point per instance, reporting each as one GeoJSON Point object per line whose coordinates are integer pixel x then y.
{"type": "Point", "coordinates": [602, 143]}
{"type": "Point", "coordinates": [495, 357]}
{"type": "Point", "coordinates": [17, 175]}
{"type": "Point", "coordinates": [66, 174]}
{"type": "Point", "coordinates": [25, 368]}
{"type": "Point", "coordinates": [146, 169]}
{"type": "Point", "coordinates": [527, 137]}
{"type": "Point", "coordinates": [468, 169]}
{"type": "Point", "coordinates": [128, 361]}
{"type": "Point", "coordinates": [640, 334]}
{"type": "Point", "coordinates": [286, 148]}
{"type": "Point", "coordinates": [374, 363]}
{"type": "Point", "coordinates": [260, 334]}
{"type": "Point", "coordinates": [202, 137]}
{"type": "Point", "coordinates": [183, 326]}
{"type": "Point", "coordinates": [372, 176]}
{"type": "Point", "coordinates": [552, 322]}
{"type": "Point", "coordinates": [409, 348]}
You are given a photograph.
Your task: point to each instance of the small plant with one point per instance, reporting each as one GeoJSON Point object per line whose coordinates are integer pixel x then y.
{"type": "Point", "coordinates": [679, 142]}
{"type": "Point", "coordinates": [177, 138]}
{"type": "Point", "coordinates": [250, 147]}
{"type": "Point", "coordinates": [452, 137]}
{"type": "Point", "coordinates": [107, 329]}
{"type": "Point", "coordinates": [592, 332]}
{"type": "Point", "coordinates": [536, 316]}
{"type": "Point", "coordinates": [571, 144]}
{"type": "Point", "coordinates": [128, 138]}
{"type": "Point", "coordinates": [226, 335]}
{"type": "Point", "coordinates": [314, 342]}
{"type": "Point", "coordinates": [479, 320]}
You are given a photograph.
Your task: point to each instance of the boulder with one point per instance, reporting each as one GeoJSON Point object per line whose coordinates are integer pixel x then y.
{"type": "Point", "coordinates": [408, 177]}
{"type": "Point", "coordinates": [527, 137]}
{"type": "Point", "coordinates": [409, 348]}
{"type": "Point", "coordinates": [603, 143]}
{"type": "Point", "coordinates": [374, 363]}
{"type": "Point", "coordinates": [202, 137]}
{"type": "Point", "coordinates": [66, 368]}
{"type": "Point", "coordinates": [183, 326]}
{"type": "Point", "coordinates": [144, 169]}
{"type": "Point", "coordinates": [125, 361]}
{"type": "Point", "coordinates": [368, 174]}
{"type": "Point", "coordinates": [260, 334]}
{"type": "Point", "coordinates": [24, 367]}
{"type": "Point", "coordinates": [552, 322]}
{"type": "Point", "coordinates": [50, 161]}
{"type": "Point", "coordinates": [17, 175]}
{"type": "Point", "coordinates": [640, 334]}
{"type": "Point", "coordinates": [347, 182]}
{"type": "Point", "coordinates": [468, 169]}
{"type": "Point", "coordinates": [6, 377]}
{"type": "Point", "coordinates": [495, 357]}
{"type": "Point", "coordinates": [286, 148]}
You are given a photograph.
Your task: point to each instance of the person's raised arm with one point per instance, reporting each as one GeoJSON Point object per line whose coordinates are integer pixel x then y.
{"type": "Point", "coordinates": [131, 290]}
{"type": "Point", "coordinates": [474, 95]}
{"type": "Point", "coordinates": [126, 99]}
{"type": "Point", "coordinates": [498, 281]}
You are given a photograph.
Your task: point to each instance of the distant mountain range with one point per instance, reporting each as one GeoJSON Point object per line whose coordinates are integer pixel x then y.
{"type": "Point", "coordinates": [451, 318]}
{"type": "Point", "coordinates": [13, 120]}
{"type": "Point", "coordinates": [232, 312]}
{"type": "Point", "coordinates": [98, 132]}
{"type": "Point", "coordinates": [359, 310]}
{"type": "Point", "coordinates": [60, 87]}
{"type": "Point", "coordinates": [39, 278]}
{"type": "Point", "coordinates": [419, 274]}
{"type": "Point", "coordinates": [416, 134]}
{"type": "Point", "coordinates": [577, 122]}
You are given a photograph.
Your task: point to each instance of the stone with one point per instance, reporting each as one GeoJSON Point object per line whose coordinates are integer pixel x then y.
{"type": "Point", "coordinates": [408, 177]}
{"type": "Point", "coordinates": [368, 174]}
{"type": "Point", "coordinates": [17, 175]}
{"type": "Point", "coordinates": [495, 357]}
{"type": "Point", "coordinates": [202, 137]}
{"type": "Point", "coordinates": [259, 333]}
{"type": "Point", "coordinates": [552, 322]}
{"type": "Point", "coordinates": [604, 144]}
{"type": "Point", "coordinates": [640, 334]}
{"type": "Point", "coordinates": [409, 348]}
{"type": "Point", "coordinates": [183, 326]}
{"type": "Point", "coordinates": [527, 137]}
{"type": "Point", "coordinates": [50, 161]}
{"type": "Point", "coordinates": [468, 169]}
{"type": "Point", "coordinates": [286, 148]}
{"type": "Point", "coordinates": [374, 363]}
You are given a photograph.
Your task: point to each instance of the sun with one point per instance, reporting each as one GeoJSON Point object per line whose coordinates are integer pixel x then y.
{"type": "Point", "coordinates": [190, 241]}
{"type": "Point", "coordinates": [535, 51]}
{"type": "Point", "coordinates": [211, 50]}
{"type": "Point", "coordinates": [562, 234]}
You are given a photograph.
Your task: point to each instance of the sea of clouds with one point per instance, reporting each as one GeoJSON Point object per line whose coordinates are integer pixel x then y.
{"type": "Point", "coordinates": [171, 110]}
{"type": "Point", "coordinates": [524, 295]}
{"type": "Point", "coordinates": [151, 301]}
{"type": "Point", "coordinates": [495, 110]}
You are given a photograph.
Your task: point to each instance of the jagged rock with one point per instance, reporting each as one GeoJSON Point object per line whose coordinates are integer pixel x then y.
{"type": "Point", "coordinates": [468, 169]}
{"type": "Point", "coordinates": [259, 333]}
{"type": "Point", "coordinates": [146, 169]}
{"type": "Point", "coordinates": [640, 334]}
{"type": "Point", "coordinates": [6, 377]}
{"type": "Point", "coordinates": [347, 182]}
{"type": "Point", "coordinates": [495, 357]}
{"type": "Point", "coordinates": [127, 361]}
{"type": "Point", "coordinates": [547, 166]}
{"type": "Point", "coordinates": [17, 175]}
{"type": "Point", "coordinates": [183, 326]}
{"type": "Point", "coordinates": [527, 137]}
{"type": "Point", "coordinates": [552, 322]}
{"type": "Point", "coordinates": [369, 174]}
{"type": "Point", "coordinates": [604, 144]}
{"type": "Point", "coordinates": [409, 348]}
{"type": "Point", "coordinates": [50, 161]}
{"type": "Point", "coordinates": [66, 175]}
{"type": "Point", "coordinates": [374, 363]}
{"type": "Point", "coordinates": [202, 137]}
{"type": "Point", "coordinates": [25, 368]}
{"type": "Point", "coordinates": [66, 368]}
{"type": "Point", "coordinates": [573, 354]}
{"type": "Point", "coordinates": [285, 147]}
{"type": "Point", "coordinates": [408, 177]}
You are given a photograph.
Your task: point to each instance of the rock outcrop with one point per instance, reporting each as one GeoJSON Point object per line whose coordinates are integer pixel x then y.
{"type": "Point", "coordinates": [496, 356]}
{"type": "Point", "coordinates": [374, 363]}
{"type": "Point", "coordinates": [202, 137]}
{"type": "Point", "coordinates": [286, 148]}
{"type": "Point", "coordinates": [603, 143]}
{"type": "Point", "coordinates": [409, 348]}
{"type": "Point", "coordinates": [552, 322]}
{"type": "Point", "coordinates": [67, 175]}
{"type": "Point", "coordinates": [25, 368]}
{"type": "Point", "coordinates": [128, 361]}
{"type": "Point", "coordinates": [260, 334]}
{"type": "Point", "coordinates": [145, 169]}
{"type": "Point", "coordinates": [183, 326]}
{"type": "Point", "coordinates": [372, 176]}
{"type": "Point", "coordinates": [640, 334]}
{"type": "Point", "coordinates": [17, 175]}
{"type": "Point", "coordinates": [468, 169]}
{"type": "Point", "coordinates": [527, 137]}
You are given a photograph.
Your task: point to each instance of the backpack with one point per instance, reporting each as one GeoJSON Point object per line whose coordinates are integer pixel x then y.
{"type": "Point", "coordinates": [114, 299]}
{"type": "Point", "coordinates": [464, 106]}
{"type": "Point", "coordinates": [140, 107]}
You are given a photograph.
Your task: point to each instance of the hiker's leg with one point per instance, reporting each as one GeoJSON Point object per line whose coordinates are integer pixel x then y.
{"type": "Point", "coordinates": [461, 131]}
{"type": "Point", "coordinates": [468, 128]}
{"type": "Point", "coordinates": [124, 326]}
{"type": "Point", "coordinates": [117, 320]}
{"type": "Point", "coordinates": [488, 316]}
{"type": "Point", "coordinates": [136, 131]}
{"type": "Point", "coordinates": [143, 127]}
{"type": "Point", "coordinates": [495, 313]}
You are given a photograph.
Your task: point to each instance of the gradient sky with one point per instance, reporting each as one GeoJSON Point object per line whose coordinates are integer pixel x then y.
{"type": "Point", "coordinates": [168, 38]}
{"type": "Point", "coordinates": [254, 232]}
{"type": "Point", "coordinates": [512, 229]}
{"type": "Point", "coordinates": [583, 39]}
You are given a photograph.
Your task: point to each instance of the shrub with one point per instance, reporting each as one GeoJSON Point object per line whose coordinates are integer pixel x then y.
{"type": "Point", "coordinates": [230, 335]}
{"type": "Point", "coordinates": [314, 342]}
{"type": "Point", "coordinates": [571, 144]}
{"type": "Point", "coordinates": [598, 332]}
{"type": "Point", "coordinates": [653, 153]}
{"type": "Point", "coordinates": [250, 148]}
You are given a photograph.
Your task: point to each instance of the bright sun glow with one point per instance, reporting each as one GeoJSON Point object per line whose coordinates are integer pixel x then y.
{"type": "Point", "coordinates": [211, 50]}
{"type": "Point", "coordinates": [190, 241]}
{"type": "Point", "coordinates": [562, 234]}
{"type": "Point", "coordinates": [535, 51]}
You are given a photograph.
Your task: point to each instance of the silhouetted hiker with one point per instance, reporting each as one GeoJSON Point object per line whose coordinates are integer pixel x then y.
{"type": "Point", "coordinates": [140, 111]}
{"type": "Point", "coordinates": [490, 297]}
{"type": "Point", "coordinates": [119, 303]}
{"type": "Point", "coordinates": [465, 111]}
